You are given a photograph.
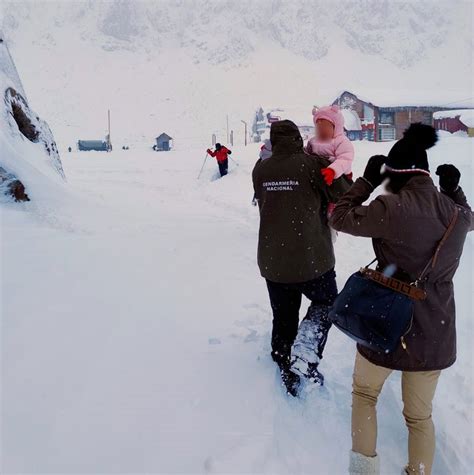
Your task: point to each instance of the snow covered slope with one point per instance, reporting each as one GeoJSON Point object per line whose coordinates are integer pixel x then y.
{"type": "Point", "coordinates": [182, 66]}
{"type": "Point", "coordinates": [28, 153]}
{"type": "Point", "coordinates": [143, 343]}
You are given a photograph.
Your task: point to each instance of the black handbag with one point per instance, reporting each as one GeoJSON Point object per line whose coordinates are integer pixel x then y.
{"type": "Point", "coordinates": [376, 310]}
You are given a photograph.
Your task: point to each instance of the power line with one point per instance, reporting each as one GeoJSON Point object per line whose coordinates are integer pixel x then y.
{"type": "Point", "coordinates": [457, 102]}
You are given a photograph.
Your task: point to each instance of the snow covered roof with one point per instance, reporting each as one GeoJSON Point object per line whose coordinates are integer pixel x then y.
{"type": "Point", "coordinates": [410, 97]}
{"type": "Point", "coordinates": [164, 136]}
{"type": "Point", "coordinates": [466, 116]}
{"type": "Point", "coordinates": [351, 120]}
{"type": "Point", "coordinates": [303, 117]}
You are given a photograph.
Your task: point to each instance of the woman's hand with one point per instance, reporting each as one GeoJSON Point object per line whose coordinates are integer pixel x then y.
{"type": "Point", "coordinates": [373, 171]}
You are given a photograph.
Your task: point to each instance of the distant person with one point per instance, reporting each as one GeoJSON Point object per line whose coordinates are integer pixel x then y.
{"type": "Point", "coordinates": [221, 153]}
{"type": "Point", "coordinates": [406, 226]}
{"type": "Point", "coordinates": [295, 251]}
{"type": "Point", "coordinates": [69, 149]}
{"type": "Point", "coordinates": [265, 152]}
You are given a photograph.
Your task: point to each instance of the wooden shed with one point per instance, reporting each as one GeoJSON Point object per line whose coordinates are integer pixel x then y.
{"type": "Point", "coordinates": [164, 143]}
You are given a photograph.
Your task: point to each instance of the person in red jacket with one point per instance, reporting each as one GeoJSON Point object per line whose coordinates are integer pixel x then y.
{"type": "Point", "coordinates": [221, 153]}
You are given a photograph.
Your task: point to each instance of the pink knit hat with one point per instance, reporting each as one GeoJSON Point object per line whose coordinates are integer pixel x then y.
{"type": "Point", "coordinates": [332, 114]}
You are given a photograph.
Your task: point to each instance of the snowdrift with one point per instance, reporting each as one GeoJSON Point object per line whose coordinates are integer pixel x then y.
{"type": "Point", "coordinates": [29, 157]}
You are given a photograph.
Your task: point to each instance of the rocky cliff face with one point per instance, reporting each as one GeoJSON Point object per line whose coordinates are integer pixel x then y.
{"type": "Point", "coordinates": [27, 144]}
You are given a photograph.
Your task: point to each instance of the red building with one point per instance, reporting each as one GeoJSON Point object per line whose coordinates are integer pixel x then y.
{"type": "Point", "coordinates": [460, 120]}
{"type": "Point", "coordinates": [382, 123]}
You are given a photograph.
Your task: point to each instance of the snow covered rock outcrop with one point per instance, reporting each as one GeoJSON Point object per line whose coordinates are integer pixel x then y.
{"type": "Point", "coordinates": [28, 153]}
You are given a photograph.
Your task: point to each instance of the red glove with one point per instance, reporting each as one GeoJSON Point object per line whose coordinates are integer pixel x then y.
{"type": "Point", "coordinates": [208, 150]}
{"type": "Point", "coordinates": [328, 175]}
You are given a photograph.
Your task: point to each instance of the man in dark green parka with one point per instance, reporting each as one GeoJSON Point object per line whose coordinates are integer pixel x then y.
{"type": "Point", "coordinates": [295, 250]}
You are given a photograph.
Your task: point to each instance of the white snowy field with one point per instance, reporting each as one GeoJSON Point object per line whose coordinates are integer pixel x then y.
{"type": "Point", "coordinates": [135, 331]}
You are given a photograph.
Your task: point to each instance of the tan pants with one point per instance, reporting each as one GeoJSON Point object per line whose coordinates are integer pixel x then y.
{"type": "Point", "coordinates": [418, 389]}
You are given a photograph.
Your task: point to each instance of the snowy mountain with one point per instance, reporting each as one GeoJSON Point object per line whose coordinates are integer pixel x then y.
{"type": "Point", "coordinates": [182, 66]}
{"type": "Point", "coordinates": [226, 31]}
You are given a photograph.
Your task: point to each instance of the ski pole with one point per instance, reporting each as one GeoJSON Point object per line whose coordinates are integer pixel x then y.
{"type": "Point", "coordinates": [234, 161]}
{"type": "Point", "coordinates": [202, 168]}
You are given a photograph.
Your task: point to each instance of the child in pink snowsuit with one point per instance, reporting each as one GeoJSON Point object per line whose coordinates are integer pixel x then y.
{"type": "Point", "coordinates": [330, 142]}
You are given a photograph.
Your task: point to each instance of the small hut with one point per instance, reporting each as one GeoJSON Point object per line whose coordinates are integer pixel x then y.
{"type": "Point", "coordinates": [164, 143]}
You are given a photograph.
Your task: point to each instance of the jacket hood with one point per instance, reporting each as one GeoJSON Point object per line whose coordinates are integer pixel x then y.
{"type": "Point", "coordinates": [333, 114]}
{"type": "Point", "coordinates": [266, 150]}
{"type": "Point", "coordinates": [285, 136]}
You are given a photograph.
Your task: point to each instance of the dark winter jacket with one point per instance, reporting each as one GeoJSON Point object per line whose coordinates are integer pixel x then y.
{"type": "Point", "coordinates": [294, 240]}
{"type": "Point", "coordinates": [406, 228]}
{"type": "Point", "coordinates": [221, 154]}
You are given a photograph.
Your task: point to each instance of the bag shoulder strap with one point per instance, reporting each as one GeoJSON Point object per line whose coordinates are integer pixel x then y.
{"type": "Point", "coordinates": [432, 262]}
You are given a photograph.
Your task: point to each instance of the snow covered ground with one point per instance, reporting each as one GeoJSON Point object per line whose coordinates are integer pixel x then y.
{"type": "Point", "coordinates": [135, 330]}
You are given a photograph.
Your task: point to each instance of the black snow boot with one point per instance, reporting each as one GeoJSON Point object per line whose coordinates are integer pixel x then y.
{"type": "Point", "coordinates": [290, 380]}
{"type": "Point", "coordinates": [308, 371]}
{"type": "Point", "coordinates": [307, 350]}
{"type": "Point", "coordinates": [314, 376]}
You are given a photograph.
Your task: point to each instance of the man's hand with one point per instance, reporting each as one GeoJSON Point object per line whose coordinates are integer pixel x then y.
{"type": "Point", "coordinates": [373, 170]}
{"type": "Point", "coordinates": [449, 177]}
{"type": "Point", "coordinates": [208, 150]}
{"type": "Point", "coordinates": [328, 175]}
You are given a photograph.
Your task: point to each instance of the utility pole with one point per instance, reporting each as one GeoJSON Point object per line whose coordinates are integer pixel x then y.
{"type": "Point", "coordinates": [227, 120]}
{"type": "Point", "coordinates": [109, 142]}
{"type": "Point", "coordinates": [245, 124]}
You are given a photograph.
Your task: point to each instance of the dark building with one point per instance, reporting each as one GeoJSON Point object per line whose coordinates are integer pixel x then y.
{"type": "Point", "coordinates": [89, 145]}
{"type": "Point", "coordinates": [164, 143]}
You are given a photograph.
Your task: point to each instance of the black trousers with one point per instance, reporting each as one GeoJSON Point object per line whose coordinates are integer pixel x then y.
{"type": "Point", "coordinates": [223, 167]}
{"type": "Point", "coordinates": [286, 299]}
